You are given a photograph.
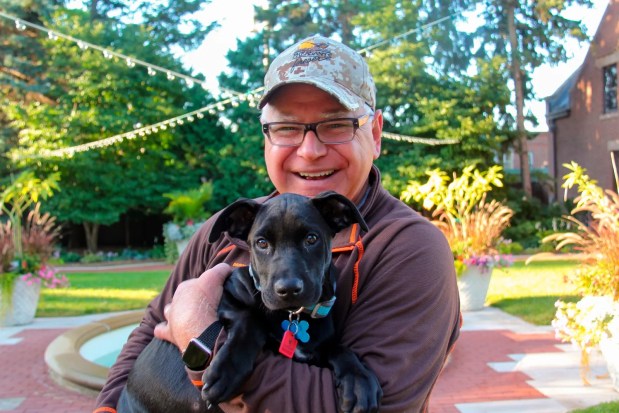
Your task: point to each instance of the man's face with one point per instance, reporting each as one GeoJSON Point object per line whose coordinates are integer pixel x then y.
{"type": "Point", "coordinates": [314, 167]}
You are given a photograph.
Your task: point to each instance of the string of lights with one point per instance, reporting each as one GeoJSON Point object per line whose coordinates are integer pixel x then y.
{"type": "Point", "coordinates": [143, 131]}
{"type": "Point", "coordinates": [415, 139]}
{"type": "Point", "coordinates": [409, 32]}
{"type": "Point", "coordinates": [131, 62]}
{"type": "Point", "coordinates": [228, 96]}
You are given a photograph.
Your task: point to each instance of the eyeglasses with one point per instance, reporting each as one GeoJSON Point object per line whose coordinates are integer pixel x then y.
{"type": "Point", "coordinates": [329, 132]}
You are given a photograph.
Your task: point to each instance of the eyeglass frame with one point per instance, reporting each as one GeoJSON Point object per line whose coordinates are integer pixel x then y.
{"type": "Point", "coordinates": [312, 127]}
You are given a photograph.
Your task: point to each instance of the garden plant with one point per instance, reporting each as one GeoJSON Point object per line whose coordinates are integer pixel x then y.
{"type": "Point", "coordinates": [594, 319]}
{"type": "Point", "coordinates": [460, 208]}
{"type": "Point", "coordinates": [26, 245]}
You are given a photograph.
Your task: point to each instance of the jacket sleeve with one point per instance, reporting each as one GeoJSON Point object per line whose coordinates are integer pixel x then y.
{"type": "Point", "coordinates": [402, 326]}
{"type": "Point", "coordinates": [190, 265]}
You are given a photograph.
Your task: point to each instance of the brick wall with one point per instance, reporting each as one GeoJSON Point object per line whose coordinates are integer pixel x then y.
{"type": "Point", "coordinates": [587, 135]}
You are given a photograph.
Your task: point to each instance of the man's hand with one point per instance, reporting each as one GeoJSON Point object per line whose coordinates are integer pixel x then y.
{"type": "Point", "coordinates": [193, 307]}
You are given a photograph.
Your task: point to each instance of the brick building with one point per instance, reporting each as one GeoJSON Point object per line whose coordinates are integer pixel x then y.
{"type": "Point", "coordinates": [582, 115]}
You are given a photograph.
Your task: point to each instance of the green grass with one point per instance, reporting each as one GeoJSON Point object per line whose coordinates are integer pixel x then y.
{"type": "Point", "coordinates": [610, 407]}
{"type": "Point", "coordinates": [99, 292]}
{"type": "Point", "coordinates": [530, 291]}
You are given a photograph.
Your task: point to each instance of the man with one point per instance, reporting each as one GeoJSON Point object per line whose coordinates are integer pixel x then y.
{"type": "Point", "coordinates": [397, 301]}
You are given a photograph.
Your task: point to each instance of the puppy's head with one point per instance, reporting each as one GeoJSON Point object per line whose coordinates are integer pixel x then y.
{"type": "Point", "coordinates": [289, 240]}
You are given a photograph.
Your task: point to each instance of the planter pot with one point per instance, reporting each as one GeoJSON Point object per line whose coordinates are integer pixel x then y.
{"type": "Point", "coordinates": [610, 351]}
{"type": "Point", "coordinates": [23, 305]}
{"type": "Point", "coordinates": [473, 286]}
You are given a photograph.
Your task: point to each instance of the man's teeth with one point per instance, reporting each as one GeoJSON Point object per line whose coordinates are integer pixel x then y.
{"type": "Point", "coordinates": [315, 174]}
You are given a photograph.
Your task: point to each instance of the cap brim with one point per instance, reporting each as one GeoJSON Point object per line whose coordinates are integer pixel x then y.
{"type": "Point", "coordinates": [348, 99]}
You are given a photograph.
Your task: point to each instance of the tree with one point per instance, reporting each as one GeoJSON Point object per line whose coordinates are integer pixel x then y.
{"type": "Point", "coordinates": [526, 34]}
{"type": "Point", "coordinates": [90, 97]}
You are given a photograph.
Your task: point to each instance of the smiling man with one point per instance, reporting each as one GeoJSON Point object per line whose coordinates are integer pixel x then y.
{"type": "Point", "coordinates": [397, 304]}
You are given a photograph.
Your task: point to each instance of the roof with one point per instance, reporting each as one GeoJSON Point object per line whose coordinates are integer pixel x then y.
{"type": "Point", "coordinates": [558, 104]}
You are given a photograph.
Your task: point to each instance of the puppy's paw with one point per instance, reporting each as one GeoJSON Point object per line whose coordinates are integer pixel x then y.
{"type": "Point", "coordinates": [358, 391]}
{"type": "Point", "coordinates": [222, 383]}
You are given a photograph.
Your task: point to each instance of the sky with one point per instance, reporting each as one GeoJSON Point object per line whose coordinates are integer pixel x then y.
{"type": "Point", "coordinates": [237, 23]}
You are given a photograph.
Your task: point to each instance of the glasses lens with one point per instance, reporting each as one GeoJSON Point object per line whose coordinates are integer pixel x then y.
{"type": "Point", "coordinates": [286, 133]}
{"type": "Point", "coordinates": [336, 131]}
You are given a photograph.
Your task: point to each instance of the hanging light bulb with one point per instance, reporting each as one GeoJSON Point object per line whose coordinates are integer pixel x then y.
{"type": "Point", "coordinates": [189, 83]}
{"type": "Point", "coordinates": [200, 115]}
{"type": "Point", "coordinates": [107, 54]}
{"type": "Point", "coordinates": [82, 45]}
{"type": "Point", "coordinates": [190, 119]}
{"type": "Point", "coordinates": [52, 36]}
{"type": "Point", "coordinates": [151, 71]}
{"type": "Point", "coordinates": [20, 26]}
{"type": "Point", "coordinates": [170, 76]}
{"type": "Point", "coordinates": [130, 62]}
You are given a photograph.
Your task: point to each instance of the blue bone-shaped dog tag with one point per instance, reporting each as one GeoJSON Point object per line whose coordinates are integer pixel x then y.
{"type": "Point", "coordinates": [298, 328]}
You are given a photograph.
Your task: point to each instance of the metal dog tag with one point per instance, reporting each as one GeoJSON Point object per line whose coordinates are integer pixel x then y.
{"type": "Point", "coordinates": [289, 344]}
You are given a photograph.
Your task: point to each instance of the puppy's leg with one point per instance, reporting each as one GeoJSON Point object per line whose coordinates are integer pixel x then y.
{"type": "Point", "coordinates": [246, 336]}
{"type": "Point", "coordinates": [357, 386]}
{"type": "Point", "coordinates": [158, 383]}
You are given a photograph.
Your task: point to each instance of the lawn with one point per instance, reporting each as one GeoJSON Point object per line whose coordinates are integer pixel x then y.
{"type": "Point", "coordinates": [530, 291]}
{"type": "Point", "coordinates": [526, 291]}
{"type": "Point", "coordinates": [610, 407]}
{"type": "Point", "coordinates": [99, 292]}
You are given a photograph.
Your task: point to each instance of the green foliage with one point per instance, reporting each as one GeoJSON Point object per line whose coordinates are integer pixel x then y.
{"type": "Point", "coordinates": [90, 97]}
{"type": "Point", "coordinates": [26, 190]}
{"type": "Point", "coordinates": [189, 204]}
{"type": "Point", "coordinates": [54, 94]}
{"type": "Point", "coordinates": [473, 227]}
{"type": "Point", "coordinates": [597, 237]}
{"type": "Point", "coordinates": [457, 196]}
{"type": "Point", "coordinates": [595, 317]}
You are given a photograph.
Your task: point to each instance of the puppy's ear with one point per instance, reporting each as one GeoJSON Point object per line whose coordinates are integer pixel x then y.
{"type": "Point", "coordinates": [338, 211]}
{"type": "Point", "coordinates": [237, 218]}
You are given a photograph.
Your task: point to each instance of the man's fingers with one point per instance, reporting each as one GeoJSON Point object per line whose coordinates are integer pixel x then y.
{"type": "Point", "coordinates": [217, 275]}
{"type": "Point", "coordinates": [162, 331]}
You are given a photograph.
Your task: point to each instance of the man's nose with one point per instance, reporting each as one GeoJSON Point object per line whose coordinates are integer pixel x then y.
{"type": "Point", "coordinates": [311, 147]}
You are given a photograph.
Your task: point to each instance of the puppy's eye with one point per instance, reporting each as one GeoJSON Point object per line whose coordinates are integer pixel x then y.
{"type": "Point", "coordinates": [262, 243]}
{"type": "Point", "coordinates": [311, 239]}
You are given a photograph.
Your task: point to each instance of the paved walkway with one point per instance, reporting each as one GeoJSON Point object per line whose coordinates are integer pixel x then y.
{"type": "Point", "coordinates": [500, 365]}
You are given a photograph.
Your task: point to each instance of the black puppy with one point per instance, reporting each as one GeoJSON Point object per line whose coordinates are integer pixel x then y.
{"type": "Point", "coordinates": [280, 301]}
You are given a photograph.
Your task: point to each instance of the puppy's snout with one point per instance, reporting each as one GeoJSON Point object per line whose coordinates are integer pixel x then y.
{"type": "Point", "coordinates": [288, 288]}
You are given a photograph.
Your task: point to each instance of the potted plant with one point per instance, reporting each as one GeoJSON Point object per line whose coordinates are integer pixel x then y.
{"type": "Point", "coordinates": [472, 225]}
{"type": "Point", "coordinates": [25, 248]}
{"type": "Point", "coordinates": [188, 214]}
{"type": "Point", "coordinates": [593, 321]}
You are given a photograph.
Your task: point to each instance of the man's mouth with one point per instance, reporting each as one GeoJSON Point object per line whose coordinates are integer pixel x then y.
{"type": "Point", "coordinates": [316, 175]}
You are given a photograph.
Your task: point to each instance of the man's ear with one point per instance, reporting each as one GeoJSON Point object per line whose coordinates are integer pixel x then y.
{"type": "Point", "coordinates": [338, 211]}
{"type": "Point", "coordinates": [237, 219]}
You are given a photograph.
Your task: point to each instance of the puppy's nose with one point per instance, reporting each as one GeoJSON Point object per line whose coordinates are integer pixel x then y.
{"type": "Point", "coordinates": [288, 288]}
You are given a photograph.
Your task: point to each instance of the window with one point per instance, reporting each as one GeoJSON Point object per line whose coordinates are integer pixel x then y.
{"type": "Point", "coordinates": [610, 88]}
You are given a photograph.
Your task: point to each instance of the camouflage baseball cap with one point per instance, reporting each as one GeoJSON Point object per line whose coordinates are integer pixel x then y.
{"type": "Point", "coordinates": [329, 65]}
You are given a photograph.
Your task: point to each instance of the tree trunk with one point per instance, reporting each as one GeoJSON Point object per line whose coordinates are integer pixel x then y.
{"type": "Point", "coordinates": [516, 71]}
{"type": "Point", "coordinates": [92, 234]}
